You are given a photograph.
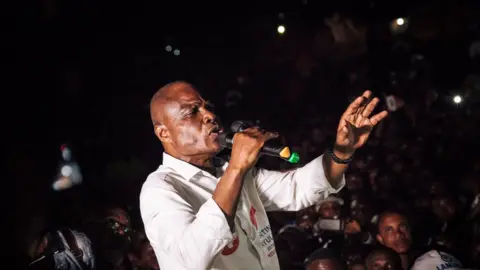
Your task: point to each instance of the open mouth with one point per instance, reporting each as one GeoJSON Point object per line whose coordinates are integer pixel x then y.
{"type": "Point", "coordinates": [216, 130]}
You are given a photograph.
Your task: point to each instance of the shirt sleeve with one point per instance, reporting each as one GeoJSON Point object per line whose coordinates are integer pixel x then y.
{"type": "Point", "coordinates": [191, 238]}
{"type": "Point", "coordinates": [296, 189]}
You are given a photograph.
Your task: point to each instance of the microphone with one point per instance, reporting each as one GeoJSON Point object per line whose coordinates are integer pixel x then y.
{"type": "Point", "coordinates": [270, 148]}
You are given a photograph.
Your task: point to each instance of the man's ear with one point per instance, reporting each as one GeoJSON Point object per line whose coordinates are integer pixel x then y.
{"type": "Point", "coordinates": [162, 133]}
{"type": "Point", "coordinates": [379, 239]}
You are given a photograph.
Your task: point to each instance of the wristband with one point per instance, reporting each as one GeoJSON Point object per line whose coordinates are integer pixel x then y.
{"type": "Point", "coordinates": [338, 160]}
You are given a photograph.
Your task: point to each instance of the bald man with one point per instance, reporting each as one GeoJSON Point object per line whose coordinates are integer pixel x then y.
{"type": "Point", "coordinates": [197, 216]}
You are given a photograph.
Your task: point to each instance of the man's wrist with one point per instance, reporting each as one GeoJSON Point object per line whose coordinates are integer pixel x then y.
{"type": "Point", "coordinates": [342, 152]}
{"type": "Point", "coordinates": [236, 170]}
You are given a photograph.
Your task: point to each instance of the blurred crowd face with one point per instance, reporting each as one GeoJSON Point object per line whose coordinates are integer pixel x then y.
{"type": "Point", "coordinates": [394, 232]}
{"type": "Point", "coordinates": [380, 260]}
{"type": "Point", "coordinates": [444, 208]}
{"type": "Point", "coordinates": [305, 222]}
{"type": "Point", "coordinates": [325, 264]}
{"type": "Point", "coordinates": [329, 210]}
{"type": "Point", "coordinates": [118, 221]}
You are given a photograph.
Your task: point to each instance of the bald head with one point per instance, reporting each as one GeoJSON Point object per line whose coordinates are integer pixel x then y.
{"type": "Point", "coordinates": [163, 96]}
{"type": "Point", "coordinates": [182, 122]}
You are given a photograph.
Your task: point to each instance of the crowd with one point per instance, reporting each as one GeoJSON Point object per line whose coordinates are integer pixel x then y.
{"type": "Point", "coordinates": [412, 195]}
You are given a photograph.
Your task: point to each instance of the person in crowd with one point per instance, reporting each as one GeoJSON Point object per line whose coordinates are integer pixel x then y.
{"type": "Point", "coordinates": [110, 231]}
{"type": "Point", "coordinates": [330, 208]}
{"type": "Point", "coordinates": [354, 256]}
{"type": "Point", "coordinates": [383, 258]}
{"type": "Point", "coordinates": [295, 244]}
{"type": "Point", "coordinates": [324, 259]}
{"type": "Point", "coordinates": [394, 232]}
{"type": "Point", "coordinates": [141, 254]}
{"type": "Point", "coordinates": [64, 249]}
{"type": "Point", "coordinates": [118, 219]}
{"type": "Point", "coordinates": [200, 216]}
{"type": "Point", "coordinates": [434, 260]}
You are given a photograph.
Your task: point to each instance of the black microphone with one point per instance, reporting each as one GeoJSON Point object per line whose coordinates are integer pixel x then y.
{"type": "Point", "coordinates": [270, 148]}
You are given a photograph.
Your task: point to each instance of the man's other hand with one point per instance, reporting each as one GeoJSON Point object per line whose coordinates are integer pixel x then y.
{"type": "Point", "coordinates": [356, 124]}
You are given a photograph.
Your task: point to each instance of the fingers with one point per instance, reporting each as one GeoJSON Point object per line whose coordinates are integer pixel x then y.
{"type": "Point", "coordinates": [370, 107]}
{"type": "Point", "coordinates": [260, 134]}
{"type": "Point", "coordinates": [358, 103]}
{"type": "Point", "coordinates": [353, 107]}
{"type": "Point", "coordinates": [378, 117]}
{"type": "Point", "coordinates": [270, 135]}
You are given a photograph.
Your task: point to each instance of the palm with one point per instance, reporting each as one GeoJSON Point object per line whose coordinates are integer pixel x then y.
{"type": "Point", "coordinates": [356, 124]}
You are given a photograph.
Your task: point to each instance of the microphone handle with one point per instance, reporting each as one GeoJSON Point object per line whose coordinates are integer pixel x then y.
{"type": "Point", "coordinates": [269, 148]}
{"type": "Point", "coordinates": [277, 150]}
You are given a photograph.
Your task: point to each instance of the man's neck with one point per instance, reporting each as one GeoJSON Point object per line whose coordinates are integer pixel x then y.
{"type": "Point", "coordinates": [405, 260]}
{"type": "Point", "coordinates": [204, 162]}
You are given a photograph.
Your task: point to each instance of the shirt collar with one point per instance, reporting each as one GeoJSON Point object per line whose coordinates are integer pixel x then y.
{"type": "Point", "coordinates": [185, 169]}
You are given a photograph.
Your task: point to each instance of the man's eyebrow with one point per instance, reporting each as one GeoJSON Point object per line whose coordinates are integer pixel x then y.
{"type": "Point", "coordinates": [189, 104]}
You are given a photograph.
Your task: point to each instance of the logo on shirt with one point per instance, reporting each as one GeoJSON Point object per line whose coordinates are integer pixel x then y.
{"type": "Point", "coordinates": [232, 246]}
{"type": "Point", "coordinates": [252, 217]}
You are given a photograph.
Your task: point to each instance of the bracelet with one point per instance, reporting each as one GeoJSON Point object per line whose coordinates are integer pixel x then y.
{"type": "Point", "coordinates": [337, 159]}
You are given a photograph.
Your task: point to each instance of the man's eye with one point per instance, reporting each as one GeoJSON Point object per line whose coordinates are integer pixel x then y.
{"type": "Point", "coordinates": [194, 110]}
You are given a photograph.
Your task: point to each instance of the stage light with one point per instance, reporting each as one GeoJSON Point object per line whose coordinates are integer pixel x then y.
{"type": "Point", "coordinates": [399, 25]}
{"type": "Point", "coordinates": [176, 52]}
{"type": "Point", "coordinates": [66, 171]}
{"type": "Point", "coordinates": [168, 48]}
{"type": "Point", "coordinates": [457, 99]}
{"type": "Point", "coordinates": [281, 29]}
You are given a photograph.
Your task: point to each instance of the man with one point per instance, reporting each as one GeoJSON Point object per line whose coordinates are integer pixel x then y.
{"type": "Point", "coordinates": [394, 232]}
{"type": "Point", "coordinates": [383, 258]}
{"type": "Point", "coordinates": [324, 259]}
{"type": "Point", "coordinates": [434, 260]}
{"type": "Point", "coordinates": [63, 249]}
{"type": "Point", "coordinates": [118, 220]}
{"type": "Point", "coordinates": [197, 216]}
{"type": "Point", "coordinates": [330, 208]}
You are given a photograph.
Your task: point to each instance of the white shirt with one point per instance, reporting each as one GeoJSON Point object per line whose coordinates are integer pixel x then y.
{"type": "Point", "coordinates": [188, 230]}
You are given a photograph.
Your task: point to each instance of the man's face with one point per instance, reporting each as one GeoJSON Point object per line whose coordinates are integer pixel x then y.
{"type": "Point", "coordinates": [191, 127]}
{"type": "Point", "coordinates": [380, 261]}
{"type": "Point", "coordinates": [118, 221]}
{"type": "Point", "coordinates": [394, 232]}
{"type": "Point", "coordinates": [329, 210]}
{"type": "Point", "coordinates": [324, 264]}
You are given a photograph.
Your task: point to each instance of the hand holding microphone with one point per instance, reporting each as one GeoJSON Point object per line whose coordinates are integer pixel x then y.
{"type": "Point", "coordinates": [255, 141]}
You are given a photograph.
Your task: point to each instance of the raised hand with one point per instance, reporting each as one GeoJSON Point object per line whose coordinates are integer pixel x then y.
{"type": "Point", "coordinates": [356, 124]}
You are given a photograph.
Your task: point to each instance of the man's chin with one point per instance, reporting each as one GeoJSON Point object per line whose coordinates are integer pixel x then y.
{"type": "Point", "coordinates": [402, 249]}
